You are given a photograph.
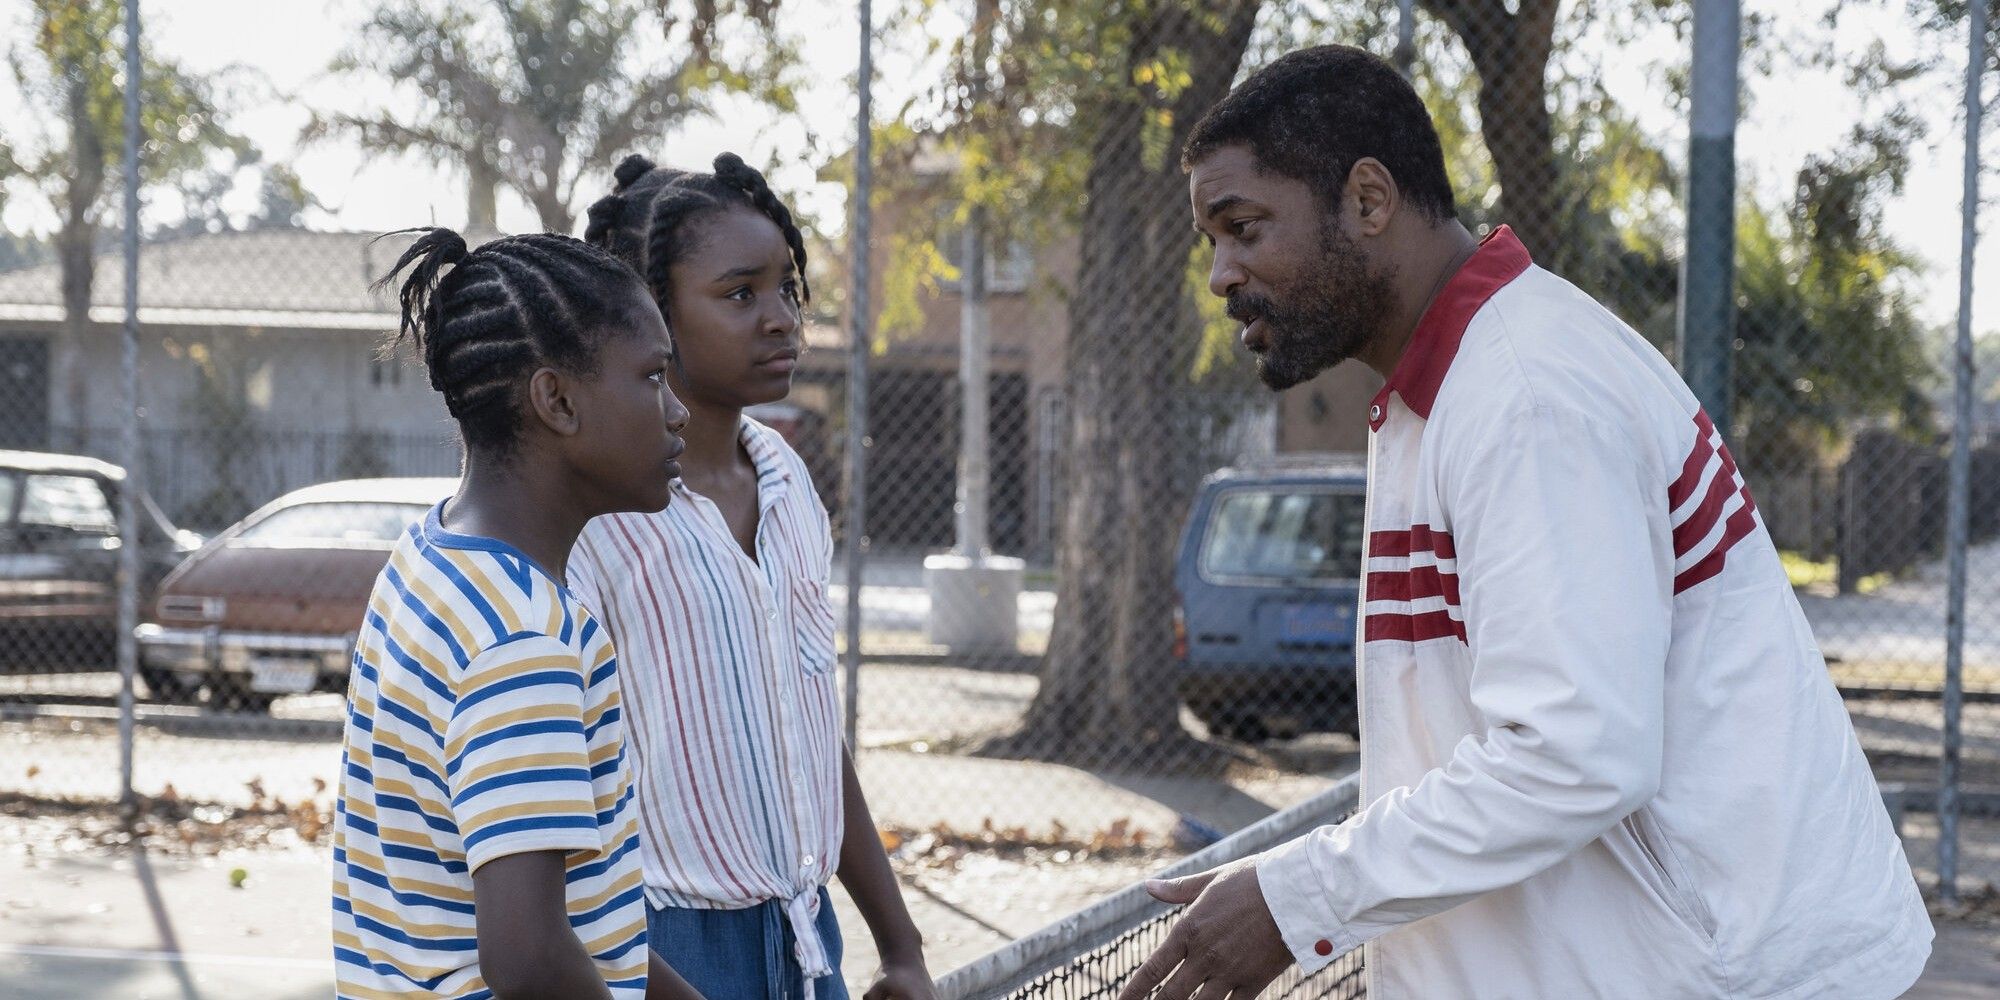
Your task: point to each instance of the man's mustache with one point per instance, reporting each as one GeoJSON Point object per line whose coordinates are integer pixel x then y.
{"type": "Point", "coordinates": [1245, 308]}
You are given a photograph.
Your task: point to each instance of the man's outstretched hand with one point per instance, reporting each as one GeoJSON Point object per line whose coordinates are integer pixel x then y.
{"type": "Point", "coordinates": [1225, 944]}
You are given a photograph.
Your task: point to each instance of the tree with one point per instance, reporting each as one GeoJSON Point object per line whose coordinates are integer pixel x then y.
{"type": "Point", "coordinates": [282, 200]}
{"type": "Point", "coordinates": [1080, 135]}
{"type": "Point", "coordinates": [533, 95]}
{"type": "Point", "coordinates": [1829, 328]}
{"type": "Point", "coordinates": [72, 73]}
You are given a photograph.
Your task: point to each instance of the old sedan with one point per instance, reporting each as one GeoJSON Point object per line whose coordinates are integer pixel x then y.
{"type": "Point", "coordinates": [59, 555]}
{"type": "Point", "coordinates": [271, 606]}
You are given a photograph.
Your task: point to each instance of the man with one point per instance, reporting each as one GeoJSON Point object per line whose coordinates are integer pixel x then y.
{"type": "Point", "coordinates": [1601, 756]}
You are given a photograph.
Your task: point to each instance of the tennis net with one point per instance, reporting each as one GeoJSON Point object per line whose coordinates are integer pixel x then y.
{"type": "Point", "coordinates": [1090, 954]}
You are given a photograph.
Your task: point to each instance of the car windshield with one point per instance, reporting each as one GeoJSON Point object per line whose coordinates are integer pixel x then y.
{"type": "Point", "coordinates": [1285, 534]}
{"type": "Point", "coordinates": [77, 503]}
{"type": "Point", "coordinates": [335, 522]}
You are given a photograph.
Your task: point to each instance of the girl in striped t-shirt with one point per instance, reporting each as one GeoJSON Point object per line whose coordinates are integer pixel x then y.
{"type": "Point", "coordinates": [483, 842]}
{"type": "Point", "coordinates": [748, 801]}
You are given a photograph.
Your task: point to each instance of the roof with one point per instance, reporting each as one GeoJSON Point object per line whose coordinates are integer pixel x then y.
{"type": "Point", "coordinates": [44, 461]}
{"type": "Point", "coordinates": [265, 277]}
{"type": "Point", "coordinates": [1294, 466]}
{"type": "Point", "coordinates": [416, 490]}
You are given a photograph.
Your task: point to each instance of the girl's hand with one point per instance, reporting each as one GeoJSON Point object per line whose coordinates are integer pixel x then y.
{"type": "Point", "coordinates": [908, 980]}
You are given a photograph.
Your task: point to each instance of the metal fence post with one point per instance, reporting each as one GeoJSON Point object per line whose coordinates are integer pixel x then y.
{"type": "Point", "coordinates": [130, 537]}
{"type": "Point", "coordinates": [974, 387]}
{"type": "Point", "coordinates": [1406, 38]}
{"type": "Point", "coordinates": [1708, 267]}
{"type": "Point", "coordinates": [1957, 503]}
{"type": "Point", "coordinates": [856, 500]}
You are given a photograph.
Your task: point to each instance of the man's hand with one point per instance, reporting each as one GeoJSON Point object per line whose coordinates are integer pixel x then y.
{"type": "Point", "coordinates": [903, 981]}
{"type": "Point", "coordinates": [1224, 945]}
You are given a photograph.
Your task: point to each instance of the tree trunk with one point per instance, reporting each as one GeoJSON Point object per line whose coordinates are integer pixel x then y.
{"type": "Point", "coordinates": [482, 202]}
{"type": "Point", "coordinates": [75, 247]}
{"type": "Point", "coordinates": [1107, 685]}
{"type": "Point", "coordinates": [545, 189]}
{"type": "Point", "coordinates": [1511, 53]}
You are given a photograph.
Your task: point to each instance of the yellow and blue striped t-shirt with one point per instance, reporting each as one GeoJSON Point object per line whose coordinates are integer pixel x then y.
{"type": "Point", "coordinates": [483, 721]}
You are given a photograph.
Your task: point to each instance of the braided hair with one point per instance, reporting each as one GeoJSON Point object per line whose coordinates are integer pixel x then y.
{"type": "Point", "coordinates": [501, 311]}
{"type": "Point", "coordinates": [645, 219]}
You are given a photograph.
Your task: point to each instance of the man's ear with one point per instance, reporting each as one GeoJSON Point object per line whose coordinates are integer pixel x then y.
{"type": "Point", "coordinates": [1372, 190]}
{"type": "Point", "coordinates": [552, 400]}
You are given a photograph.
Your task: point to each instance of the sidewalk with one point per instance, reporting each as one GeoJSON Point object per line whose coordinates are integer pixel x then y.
{"type": "Point", "coordinates": [1894, 637]}
{"type": "Point", "coordinates": [79, 918]}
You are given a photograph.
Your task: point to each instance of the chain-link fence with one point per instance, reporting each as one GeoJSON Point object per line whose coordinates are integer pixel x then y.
{"type": "Point", "coordinates": [1120, 616]}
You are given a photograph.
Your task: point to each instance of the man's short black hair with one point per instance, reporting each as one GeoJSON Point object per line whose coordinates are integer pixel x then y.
{"type": "Point", "coordinates": [1314, 113]}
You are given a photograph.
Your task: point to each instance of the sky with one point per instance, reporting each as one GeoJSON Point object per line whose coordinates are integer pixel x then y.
{"type": "Point", "coordinates": [1792, 114]}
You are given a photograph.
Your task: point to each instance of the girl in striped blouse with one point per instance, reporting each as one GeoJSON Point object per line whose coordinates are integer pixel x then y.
{"type": "Point", "coordinates": [748, 800]}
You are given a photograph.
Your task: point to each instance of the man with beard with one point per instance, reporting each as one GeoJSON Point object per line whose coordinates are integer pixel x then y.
{"type": "Point", "coordinates": [1601, 756]}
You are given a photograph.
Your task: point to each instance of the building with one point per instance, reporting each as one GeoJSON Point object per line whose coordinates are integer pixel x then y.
{"type": "Point", "coordinates": [260, 369]}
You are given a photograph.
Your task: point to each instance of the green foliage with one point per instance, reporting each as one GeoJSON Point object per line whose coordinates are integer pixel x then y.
{"type": "Point", "coordinates": [72, 72]}
{"type": "Point", "coordinates": [537, 94]}
{"type": "Point", "coordinates": [1829, 330]}
{"type": "Point", "coordinates": [1830, 335]}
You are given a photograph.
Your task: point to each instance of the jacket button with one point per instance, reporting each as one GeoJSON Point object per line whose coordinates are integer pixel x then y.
{"type": "Point", "coordinates": [1325, 948]}
{"type": "Point", "coordinates": [1375, 412]}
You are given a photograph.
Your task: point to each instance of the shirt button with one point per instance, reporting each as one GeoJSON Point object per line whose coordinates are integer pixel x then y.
{"type": "Point", "coordinates": [771, 614]}
{"type": "Point", "coordinates": [1324, 948]}
{"type": "Point", "coordinates": [808, 861]}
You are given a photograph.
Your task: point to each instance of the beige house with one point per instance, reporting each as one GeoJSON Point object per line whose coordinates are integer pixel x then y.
{"type": "Point", "coordinates": [260, 369]}
{"type": "Point", "coordinates": [914, 399]}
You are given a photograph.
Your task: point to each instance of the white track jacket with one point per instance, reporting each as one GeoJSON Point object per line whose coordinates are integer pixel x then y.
{"type": "Point", "coordinates": [1601, 755]}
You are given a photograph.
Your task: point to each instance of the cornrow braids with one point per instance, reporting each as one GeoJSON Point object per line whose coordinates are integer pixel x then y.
{"type": "Point", "coordinates": [501, 311]}
{"type": "Point", "coordinates": [645, 218]}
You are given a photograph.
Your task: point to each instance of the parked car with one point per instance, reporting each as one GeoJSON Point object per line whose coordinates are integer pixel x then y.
{"type": "Point", "coordinates": [1267, 579]}
{"type": "Point", "coordinates": [270, 607]}
{"type": "Point", "coordinates": [59, 554]}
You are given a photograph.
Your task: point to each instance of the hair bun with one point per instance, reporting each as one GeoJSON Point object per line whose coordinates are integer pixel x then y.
{"type": "Point", "coordinates": [444, 246]}
{"type": "Point", "coordinates": [730, 169]}
{"type": "Point", "coordinates": [631, 168]}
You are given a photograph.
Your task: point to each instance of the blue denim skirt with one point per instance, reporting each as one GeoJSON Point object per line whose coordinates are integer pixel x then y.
{"type": "Point", "coordinates": [744, 954]}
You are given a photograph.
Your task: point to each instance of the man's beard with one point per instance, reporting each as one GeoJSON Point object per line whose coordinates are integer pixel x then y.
{"type": "Point", "coordinates": [1328, 315]}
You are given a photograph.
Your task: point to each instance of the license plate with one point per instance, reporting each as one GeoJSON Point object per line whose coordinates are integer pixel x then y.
{"type": "Point", "coordinates": [271, 675]}
{"type": "Point", "coordinates": [1315, 623]}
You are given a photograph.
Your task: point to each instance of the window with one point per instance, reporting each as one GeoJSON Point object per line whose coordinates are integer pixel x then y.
{"type": "Point", "coordinates": [1296, 536]}
{"type": "Point", "coordinates": [335, 522]}
{"type": "Point", "coordinates": [1008, 268]}
{"type": "Point", "coordinates": [76, 503]}
{"type": "Point", "coordinates": [385, 368]}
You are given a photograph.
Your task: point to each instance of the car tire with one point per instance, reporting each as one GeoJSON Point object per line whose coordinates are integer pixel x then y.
{"type": "Point", "coordinates": [168, 687]}
{"type": "Point", "coordinates": [234, 695]}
